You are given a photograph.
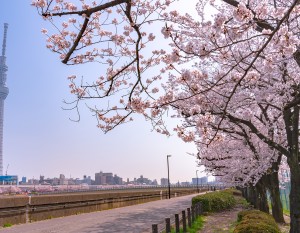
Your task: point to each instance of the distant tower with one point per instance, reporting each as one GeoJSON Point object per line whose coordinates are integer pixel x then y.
{"type": "Point", "coordinates": [3, 93]}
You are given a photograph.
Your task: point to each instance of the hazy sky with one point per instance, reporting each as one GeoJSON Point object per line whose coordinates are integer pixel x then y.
{"type": "Point", "coordinates": [39, 138]}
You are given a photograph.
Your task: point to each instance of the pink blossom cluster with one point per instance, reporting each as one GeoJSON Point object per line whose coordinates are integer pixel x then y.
{"type": "Point", "coordinates": [229, 77]}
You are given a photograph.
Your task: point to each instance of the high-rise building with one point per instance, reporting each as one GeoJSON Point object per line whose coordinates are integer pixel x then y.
{"type": "Point", "coordinates": [202, 180]}
{"type": "Point", "coordinates": [62, 180]}
{"type": "Point", "coordinates": [24, 180]}
{"type": "Point", "coordinates": [104, 178]}
{"type": "Point", "coordinates": [3, 93]}
{"type": "Point", "coordinates": [164, 181]}
{"type": "Point", "coordinates": [118, 180]}
{"type": "Point", "coordinates": [42, 178]}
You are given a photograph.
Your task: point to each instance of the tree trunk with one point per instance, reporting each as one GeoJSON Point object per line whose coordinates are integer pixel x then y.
{"type": "Point", "coordinates": [244, 192]}
{"type": "Point", "coordinates": [262, 196]}
{"type": "Point", "coordinates": [291, 120]}
{"type": "Point", "coordinates": [295, 194]}
{"type": "Point", "coordinates": [252, 196]}
{"type": "Point", "coordinates": [272, 185]}
{"type": "Point", "coordinates": [247, 194]}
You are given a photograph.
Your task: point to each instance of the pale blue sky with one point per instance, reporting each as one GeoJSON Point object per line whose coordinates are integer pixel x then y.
{"type": "Point", "coordinates": [39, 138]}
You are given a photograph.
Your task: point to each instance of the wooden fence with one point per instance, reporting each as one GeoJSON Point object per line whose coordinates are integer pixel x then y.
{"type": "Point", "coordinates": [180, 220]}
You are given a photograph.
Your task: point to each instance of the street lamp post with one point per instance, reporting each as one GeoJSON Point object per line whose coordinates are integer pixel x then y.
{"type": "Point", "coordinates": [169, 176]}
{"type": "Point", "coordinates": [197, 181]}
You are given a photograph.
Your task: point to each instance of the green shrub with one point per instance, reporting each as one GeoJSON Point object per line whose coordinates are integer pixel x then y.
{"type": "Point", "coordinates": [233, 191]}
{"type": "Point", "coordinates": [255, 221]}
{"type": "Point", "coordinates": [254, 214]}
{"type": "Point", "coordinates": [7, 225]}
{"type": "Point", "coordinates": [215, 201]}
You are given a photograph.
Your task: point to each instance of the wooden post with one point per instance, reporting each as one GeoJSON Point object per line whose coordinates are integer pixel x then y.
{"type": "Point", "coordinates": [154, 228]}
{"type": "Point", "coordinates": [168, 225]}
{"type": "Point", "coordinates": [177, 228]}
{"type": "Point", "coordinates": [193, 213]}
{"type": "Point", "coordinates": [184, 221]}
{"type": "Point", "coordinates": [189, 217]}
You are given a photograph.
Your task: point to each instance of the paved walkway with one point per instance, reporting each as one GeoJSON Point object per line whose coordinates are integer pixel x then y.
{"type": "Point", "coordinates": [130, 219]}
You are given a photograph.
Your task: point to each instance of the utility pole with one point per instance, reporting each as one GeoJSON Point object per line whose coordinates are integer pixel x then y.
{"type": "Point", "coordinates": [169, 176]}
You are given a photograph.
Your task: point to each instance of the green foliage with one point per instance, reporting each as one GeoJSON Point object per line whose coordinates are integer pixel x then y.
{"type": "Point", "coordinates": [242, 202]}
{"type": "Point", "coordinates": [233, 191]}
{"type": "Point", "coordinates": [215, 201]}
{"type": "Point", "coordinates": [255, 221]}
{"type": "Point", "coordinates": [232, 226]}
{"type": "Point", "coordinates": [7, 225]}
{"type": "Point", "coordinates": [286, 212]}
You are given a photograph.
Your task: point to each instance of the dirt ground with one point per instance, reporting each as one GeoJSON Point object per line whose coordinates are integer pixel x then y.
{"type": "Point", "coordinates": [285, 228]}
{"type": "Point", "coordinates": [221, 222]}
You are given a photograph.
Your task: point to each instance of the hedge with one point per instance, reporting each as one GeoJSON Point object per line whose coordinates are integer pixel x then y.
{"type": "Point", "coordinates": [233, 191]}
{"type": "Point", "coordinates": [255, 221]}
{"type": "Point", "coordinates": [215, 201]}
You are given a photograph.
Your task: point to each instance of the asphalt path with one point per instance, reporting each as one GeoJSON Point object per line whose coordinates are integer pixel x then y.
{"type": "Point", "coordinates": [130, 219]}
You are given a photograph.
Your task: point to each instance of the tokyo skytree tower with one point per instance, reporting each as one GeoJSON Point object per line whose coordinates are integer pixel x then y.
{"type": "Point", "coordinates": [3, 93]}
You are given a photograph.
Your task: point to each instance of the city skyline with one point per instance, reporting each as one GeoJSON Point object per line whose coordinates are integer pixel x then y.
{"type": "Point", "coordinates": [41, 139]}
{"type": "Point", "coordinates": [107, 178]}
{"type": "Point", "coordinates": [92, 175]}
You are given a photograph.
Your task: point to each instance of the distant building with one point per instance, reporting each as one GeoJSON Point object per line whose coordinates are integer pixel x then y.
{"type": "Point", "coordinates": [63, 180]}
{"type": "Point", "coordinates": [55, 181]}
{"type": "Point", "coordinates": [33, 181]}
{"type": "Point", "coordinates": [102, 178]}
{"type": "Point", "coordinates": [154, 182]}
{"type": "Point", "coordinates": [87, 180]}
{"type": "Point", "coordinates": [42, 179]}
{"type": "Point", "coordinates": [164, 181]}
{"type": "Point", "coordinates": [71, 181]}
{"type": "Point", "coordinates": [202, 180]}
{"type": "Point", "coordinates": [24, 180]}
{"type": "Point", "coordinates": [77, 181]}
{"type": "Point", "coordinates": [185, 183]}
{"type": "Point", "coordinates": [118, 180]}
{"type": "Point", "coordinates": [143, 180]}
{"type": "Point", "coordinates": [10, 180]}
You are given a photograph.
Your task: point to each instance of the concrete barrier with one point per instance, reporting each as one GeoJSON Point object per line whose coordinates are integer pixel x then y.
{"type": "Point", "coordinates": [15, 210]}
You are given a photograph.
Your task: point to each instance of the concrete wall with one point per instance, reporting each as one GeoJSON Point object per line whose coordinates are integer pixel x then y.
{"type": "Point", "coordinates": [14, 210]}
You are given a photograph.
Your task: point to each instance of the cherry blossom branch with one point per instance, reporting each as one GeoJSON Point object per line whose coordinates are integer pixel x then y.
{"type": "Point", "coordinates": [87, 11]}
{"type": "Point", "coordinates": [76, 42]}
{"type": "Point", "coordinates": [255, 130]}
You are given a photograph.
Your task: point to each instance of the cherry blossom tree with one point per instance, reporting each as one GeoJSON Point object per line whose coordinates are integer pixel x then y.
{"type": "Point", "coordinates": [246, 73]}
{"type": "Point", "coordinates": [244, 160]}
{"type": "Point", "coordinates": [234, 72]}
